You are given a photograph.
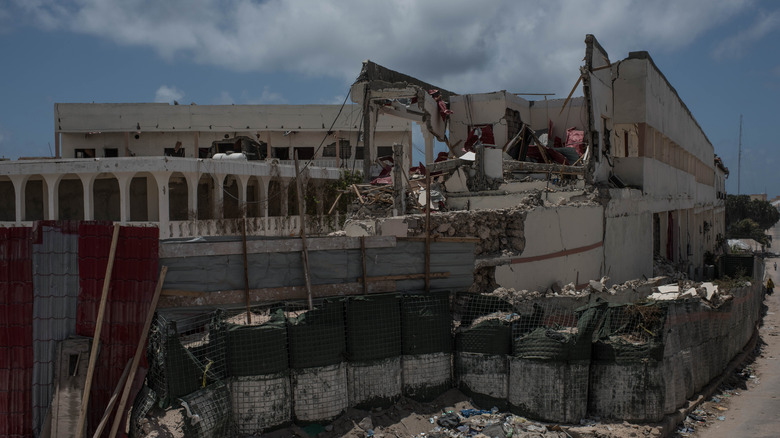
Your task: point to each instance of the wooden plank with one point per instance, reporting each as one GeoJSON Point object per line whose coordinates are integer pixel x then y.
{"type": "Point", "coordinates": [573, 89]}
{"type": "Point", "coordinates": [514, 139]}
{"type": "Point", "coordinates": [112, 401]}
{"type": "Point", "coordinates": [265, 246]}
{"type": "Point", "coordinates": [139, 352]}
{"type": "Point", "coordinates": [357, 192]}
{"type": "Point", "coordinates": [335, 202]}
{"type": "Point", "coordinates": [441, 239]}
{"type": "Point", "coordinates": [543, 153]}
{"type": "Point", "coordinates": [98, 330]}
{"type": "Point", "coordinates": [406, 277]}
{"type": "Point", "coordinates": [178, 298]}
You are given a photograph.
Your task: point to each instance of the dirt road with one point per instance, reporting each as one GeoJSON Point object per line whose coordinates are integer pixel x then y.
{"type": "Point", "coordinates": [756, 412]}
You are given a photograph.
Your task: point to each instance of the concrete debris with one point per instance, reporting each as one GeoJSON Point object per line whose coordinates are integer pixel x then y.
{"type": "Point", "coordinates": [707, 292]}
{"type": "Point", "coordinates": [454, 415]}
{"type": "Point", "coordinates": [501, 232]}
{"type": "Point", "coordinates": [664, 267]}
{"type": "Point", "coordinates": [655, 289]}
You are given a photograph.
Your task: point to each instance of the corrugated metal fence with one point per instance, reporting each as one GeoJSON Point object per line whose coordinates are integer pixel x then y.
{"type": "Point", "coordinates": [51, 277]}
{"type": "Point", "coordinates": [16, 343]}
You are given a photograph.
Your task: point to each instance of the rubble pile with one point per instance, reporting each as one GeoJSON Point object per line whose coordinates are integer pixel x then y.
{"type": "Point", "coordinates": [484, 279]}
{"type": "Point", "coordinates": [707, 292]}
{"type": "Point", "coordinates": [499, 231]}
{"type": "Point", "coordinates": [666, 268]}
{"type": "Point", "coordinates": [453, 415]}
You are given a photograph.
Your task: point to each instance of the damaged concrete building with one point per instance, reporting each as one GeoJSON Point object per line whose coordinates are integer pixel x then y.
{"type": "Point", "coordinates": [509, 267]}
{"type": "Point", "coordinates": [185, 168]}
{"type": "Point", "coordinates": [626, 162]}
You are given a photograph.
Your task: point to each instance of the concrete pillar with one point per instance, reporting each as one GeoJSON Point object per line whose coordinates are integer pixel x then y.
{"type": "Point", "coordinates": [285, 192]}
{"type": "Point", "coordinates": [263, 198]}
{"type": "Point", "coordinates": [192, 179]}
{"type": "Point", "coordinates": [19, 181]}
{"type": "Point", "coordinates": [160, 179]}
{"type": "Point", "coordinates": [124, 179]}
{"type": "Point", "coordinates": [369, 123]}
{"type": "Point", "coordinates": [243, 182]}
{"type": "Point", "coordinates": [153, 199]}
{"type": "Point", "coordinates": [219, 196]}
{"type": "Point", "coordinates": [87, 184]}
{"type": "Point", "coordinates": [51, 203]}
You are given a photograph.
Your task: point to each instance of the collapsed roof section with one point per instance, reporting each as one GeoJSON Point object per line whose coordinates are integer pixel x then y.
{"type": "Point", "coordinates": [383, 91]}
{"type": "Point", "coordinates": [501, 121]}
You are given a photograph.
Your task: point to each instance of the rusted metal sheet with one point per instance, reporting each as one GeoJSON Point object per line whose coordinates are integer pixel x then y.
{"type": "Point", "coordinates": [132, 286]}
{"type": "Point", "coordinates": [16, 319]}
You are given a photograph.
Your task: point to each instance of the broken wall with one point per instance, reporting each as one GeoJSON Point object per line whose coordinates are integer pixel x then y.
{"type": "Point", "coordinates": [484, 109]}
{"type": "Point", "coordinates": [573, 115]}
{"type": "Point", "coordinates": [628, 246]}
{"type": "Point", "coordinates": [599, 99]}
{"type": "Point", "coordinates": [561, 244]}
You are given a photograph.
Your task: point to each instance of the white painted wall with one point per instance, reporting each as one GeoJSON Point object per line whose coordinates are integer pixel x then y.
{"type": "Point", "coordinates": [551, 230]}
{"type": "Point", "coordinates": [628, 247]}
{"type": "Point", "coordinates": [160, 126]}
{"type": "Point", "coordinates": [645, 96]}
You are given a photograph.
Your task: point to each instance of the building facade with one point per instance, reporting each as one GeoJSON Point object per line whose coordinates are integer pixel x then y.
{"type": "Point", "coordinates": [162, 164]}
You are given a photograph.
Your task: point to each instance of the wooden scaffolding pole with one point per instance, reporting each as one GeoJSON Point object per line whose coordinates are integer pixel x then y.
{"type": "Point", "coordinates": [98, 329]}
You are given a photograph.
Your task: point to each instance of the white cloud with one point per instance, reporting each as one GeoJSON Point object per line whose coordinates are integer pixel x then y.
{"type": "Point", "coordinates": [225, 99]}
{"type": "Point", "coordinates": [168, 94]}
{"type": "Point", "coordinates": [267, 97]}
{"type": "Point", "coordinates": [462, 45]}
{"type": "Point", "coordinates": [734, 46]}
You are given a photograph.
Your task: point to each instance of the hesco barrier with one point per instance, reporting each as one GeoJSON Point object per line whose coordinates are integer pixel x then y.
{"type": "Point", "coordinates": [426, 340]}
{"type": "Point", "coordinates": [556, 359]}
{"type": "Point", "coordinates": [666, 352]}
{"type": "Point", "coordinates": [548, 376]}
{"type": "Point", "coordinates": [374, 350]}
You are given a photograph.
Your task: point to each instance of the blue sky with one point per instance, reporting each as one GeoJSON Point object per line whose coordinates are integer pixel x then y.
{"type": "Point", "coordinates": [722, 56]}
